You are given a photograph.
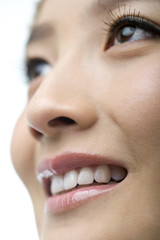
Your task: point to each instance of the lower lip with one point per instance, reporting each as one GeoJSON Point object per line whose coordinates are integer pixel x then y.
{"type": "Point", "coordinates": [70, 200]}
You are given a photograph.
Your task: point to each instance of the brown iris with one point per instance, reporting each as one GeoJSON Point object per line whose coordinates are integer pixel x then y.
{"type": "Point", "coordinates": [125, 33]}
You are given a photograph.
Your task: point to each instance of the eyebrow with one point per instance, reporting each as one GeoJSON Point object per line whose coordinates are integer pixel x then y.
{"type": "Point", "coordinates": [40, 32]}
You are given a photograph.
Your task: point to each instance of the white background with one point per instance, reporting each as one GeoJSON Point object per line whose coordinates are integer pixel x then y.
{"type": "Point", "coordinates": [16, 213]}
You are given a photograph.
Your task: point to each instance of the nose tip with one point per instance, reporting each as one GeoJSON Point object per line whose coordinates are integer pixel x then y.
{"type": "Point", "coordinates": [45, 118]}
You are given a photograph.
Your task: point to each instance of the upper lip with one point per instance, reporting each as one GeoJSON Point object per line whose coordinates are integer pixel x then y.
{"type": "Point", "coordinates": [65, 162]}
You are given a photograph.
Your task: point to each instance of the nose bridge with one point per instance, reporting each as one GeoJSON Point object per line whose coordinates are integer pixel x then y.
{"type": "Point", "coordinates": [66, 84]}
{"type": "Point", "coordinates": [70, 78]}
{"type": "Point", "coordinates": [62, 95]}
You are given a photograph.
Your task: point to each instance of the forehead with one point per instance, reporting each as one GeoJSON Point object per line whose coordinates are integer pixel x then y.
{"type": "Point", "coordinates": [55, 8]}
{"type": "Point", "coordinates": [70, 7]}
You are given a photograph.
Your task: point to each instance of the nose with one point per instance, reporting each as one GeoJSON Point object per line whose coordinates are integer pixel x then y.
{"type": "Point", "coordinates": [57, 106]}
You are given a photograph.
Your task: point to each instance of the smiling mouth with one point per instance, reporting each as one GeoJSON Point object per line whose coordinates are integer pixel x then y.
{"type": "Point", "coordinates": [76, 181]}
{"type": "Point", "coordinates": [86, 176]}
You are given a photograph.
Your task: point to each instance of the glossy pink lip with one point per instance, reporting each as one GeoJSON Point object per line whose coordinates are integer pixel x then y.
{"type": "Point", "coordinates": [69, 161]}
{"type": "Point", "coordinates": [64, 163]}
{"type": "Point", "coordinates": [67, 201]}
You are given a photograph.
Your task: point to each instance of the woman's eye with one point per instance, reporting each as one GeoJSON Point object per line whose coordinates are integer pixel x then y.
{"type": "Point", "coordinates": [37, 68]}
{"type": "Point", "coordinates": [130, 29]}
{"type": "Point", "coordinates": [130, 33]}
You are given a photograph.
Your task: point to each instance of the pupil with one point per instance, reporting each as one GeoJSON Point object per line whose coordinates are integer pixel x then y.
{"type": "Point", "coordinates": [126, 33]}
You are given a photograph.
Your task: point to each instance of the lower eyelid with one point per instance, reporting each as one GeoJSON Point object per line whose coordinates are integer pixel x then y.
{"type": "Point", "coordinates": [130, 51]}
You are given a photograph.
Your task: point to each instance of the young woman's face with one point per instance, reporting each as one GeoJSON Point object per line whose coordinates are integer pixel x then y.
{"type": "Point", "coordinates": [93, 114]}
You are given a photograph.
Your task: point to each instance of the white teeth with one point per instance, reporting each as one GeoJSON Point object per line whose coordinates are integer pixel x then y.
{"type": "Point", "coordinates": [118, 173]}
{"type": "Point", "coordinates": [85, 176]}
{"type": "Point", "coordinates": [70, 180]}
{"type": "Point", "coordinates": [102, 174]}
{"type": "Point", "coordinates": [57, 184]}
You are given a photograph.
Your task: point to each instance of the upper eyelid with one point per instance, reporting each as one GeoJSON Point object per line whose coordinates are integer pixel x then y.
{"type": "Point", "coordinates": [113, 18]}
{"type": "Point", "coordinates": [35, 59]}
{"type": "Point", "coordinates": [139, 20]}
{"type": "Point", "coordinates": [126, 9]}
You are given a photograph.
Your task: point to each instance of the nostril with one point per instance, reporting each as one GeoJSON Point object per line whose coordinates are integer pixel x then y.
{"type": "Point", "coordinates": [36, 134]}
{"type": "Point", "coordinates": [61, 121]}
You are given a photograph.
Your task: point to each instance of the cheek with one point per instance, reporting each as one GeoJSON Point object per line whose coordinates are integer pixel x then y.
{"type": "Point", "coordinates": [22, 150]}
{"type": "Point", "coordinates": [138, 108]}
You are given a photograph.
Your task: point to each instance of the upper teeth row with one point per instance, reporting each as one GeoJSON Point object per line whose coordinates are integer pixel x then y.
{"type": "Point", "coordinates": [86, 175]}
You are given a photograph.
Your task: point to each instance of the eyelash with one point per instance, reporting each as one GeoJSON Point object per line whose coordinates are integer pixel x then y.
{"type": "Point", "coordinates": [120, 20]}
{"type": "Point", "coordinates": [114, 22]}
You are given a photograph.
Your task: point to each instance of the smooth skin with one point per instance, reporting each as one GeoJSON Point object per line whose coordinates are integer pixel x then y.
{"type": "Point", "coordinates": [113, 96]}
